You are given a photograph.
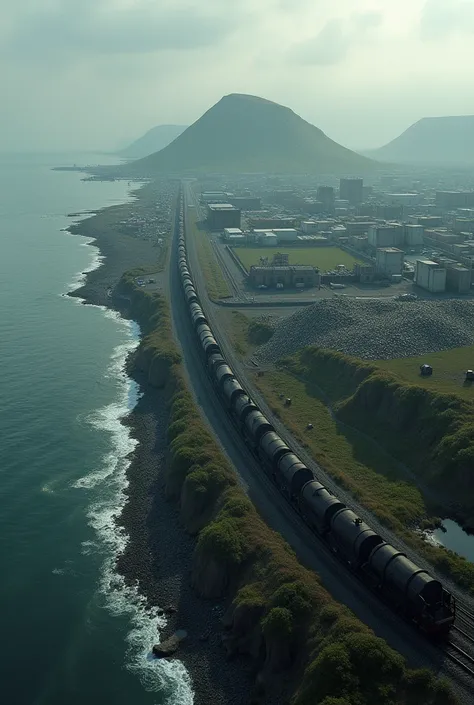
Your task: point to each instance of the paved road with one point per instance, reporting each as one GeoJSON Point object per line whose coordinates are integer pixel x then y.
{"type": "Point", "coordinates": [271, 505]}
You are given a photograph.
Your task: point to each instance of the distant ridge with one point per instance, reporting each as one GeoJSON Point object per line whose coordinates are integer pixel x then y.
{"type": "Point", "coordinates": [244, 133]}
{"type": "Point", "coordinates": [152, 141]}
{"type": "Point", "coordinates": [432, 140]}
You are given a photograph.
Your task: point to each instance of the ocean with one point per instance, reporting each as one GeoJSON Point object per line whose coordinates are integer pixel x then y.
{"type": "Point", "coordinates": [71, 632]}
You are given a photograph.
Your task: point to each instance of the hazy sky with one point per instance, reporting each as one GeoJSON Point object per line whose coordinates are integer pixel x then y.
{"type": "Point", "coordinates": [97, 73]}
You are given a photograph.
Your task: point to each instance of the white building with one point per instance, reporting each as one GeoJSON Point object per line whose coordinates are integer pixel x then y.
{"type": "Point", "coordinates": [430, 276]}
{"type": "Point", "coordinates": [389, 261]}
{"type": "Point", "coordinates": [285, 234]}
{"type": "Point", "coordinates": [267, 239]}
{"type": "Point", "coordinates": [414, 235]}
{"type": "Point", "coordinates": [388, 235]}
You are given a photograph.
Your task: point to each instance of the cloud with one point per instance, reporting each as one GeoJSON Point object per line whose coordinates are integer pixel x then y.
{"type": "Point", "coordinates": [338, 36]}
{"type": "Point", "coordinates": [442, 18]}
{"type": "Point", "coordinates": [104, 27]}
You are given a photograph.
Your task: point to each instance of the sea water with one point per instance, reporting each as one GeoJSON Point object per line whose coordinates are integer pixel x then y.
{"type": "Point", "coordinates": [71, 632]}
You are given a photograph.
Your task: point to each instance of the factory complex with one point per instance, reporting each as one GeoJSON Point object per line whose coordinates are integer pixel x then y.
{"type": "Point", "coordinates": [395, 231]}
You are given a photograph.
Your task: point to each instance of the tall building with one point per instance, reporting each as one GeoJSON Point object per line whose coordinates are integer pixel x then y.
{"type": "Point", "coordinates": [326, 197]}
{"type": "Point", "coordinates": [389, 261]}
{"type": "Point", "coordinates": [351, 190]}
{"type": "Point", "coordinates": [222, 215]}
{"type": "Point", "coordinates": [430, 275]}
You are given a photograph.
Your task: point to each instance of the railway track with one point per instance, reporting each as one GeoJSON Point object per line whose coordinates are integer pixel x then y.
{"type": "Point", "coordinates": [453, 652]}
{"type": "Point", "coordinates": [460, 657]}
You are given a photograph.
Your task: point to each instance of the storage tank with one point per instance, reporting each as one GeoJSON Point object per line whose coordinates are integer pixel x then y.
{"type": "Point", "coordinates": [319, 505]}
{"type": "Point", "coordinates": [292, 475]}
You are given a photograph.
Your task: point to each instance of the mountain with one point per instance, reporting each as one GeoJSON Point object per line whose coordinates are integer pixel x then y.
{"type": "Point", "coordinates": [433, 140]}
{"type": "Point", "coordinates": [243, 133]}
{"type": "Point", "coordinates": [152, 141]}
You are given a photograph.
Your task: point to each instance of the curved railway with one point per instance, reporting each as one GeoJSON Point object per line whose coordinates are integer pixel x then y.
{"type": "Point", "coordinates": [409, 589]}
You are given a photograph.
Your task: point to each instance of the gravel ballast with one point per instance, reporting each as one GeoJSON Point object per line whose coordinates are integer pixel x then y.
{"type": "Point", "coordinates": [374, 329]}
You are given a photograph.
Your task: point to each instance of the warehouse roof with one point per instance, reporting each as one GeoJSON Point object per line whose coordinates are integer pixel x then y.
{"type": "Point", "coordinates": [221, 207]}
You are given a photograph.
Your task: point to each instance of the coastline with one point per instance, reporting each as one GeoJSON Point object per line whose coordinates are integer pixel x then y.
{"type": "Point", "coordinates": [158, 554]}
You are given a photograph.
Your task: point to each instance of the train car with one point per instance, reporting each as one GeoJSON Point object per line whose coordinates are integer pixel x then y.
{"type": "Point", "coordinates": [214, 362]}
{"type": "Point", "coordinates": [352, 537]}
{"type": "Point", "coordinates": [318, 506]}
{"type": "Point", "coordinates": [197, 317]}
{"type": "Point", "coordinates": [231, 390]}
{"type": "Point", "coordinates": [209, 345]}
{"type": "Point", "coordinates": [412, 589]}
{"type": "Point", "coordinates": [221, 374]}
{"type": "Point", "coordinates": [241, 407]}
{"type": "Point", "coordinates": [292, 475]}
{"type": "Point", "coordinates": [255, 426]}
{"type": "Point", "coordinates": [271, 448]}
{"type": "Point", "coordinates": [190, 294]}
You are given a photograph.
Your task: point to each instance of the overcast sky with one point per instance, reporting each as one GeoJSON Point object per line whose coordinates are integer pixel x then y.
{"type": "Point", "coordinates": [90, 74]}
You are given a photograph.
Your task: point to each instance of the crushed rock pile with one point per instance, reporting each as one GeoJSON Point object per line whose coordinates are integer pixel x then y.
{"type": "Point", "coordinates": [374, 329]}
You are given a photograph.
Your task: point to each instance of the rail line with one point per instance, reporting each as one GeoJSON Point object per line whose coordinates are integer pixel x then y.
{"type": "Point", "coordinates": [464, 655]}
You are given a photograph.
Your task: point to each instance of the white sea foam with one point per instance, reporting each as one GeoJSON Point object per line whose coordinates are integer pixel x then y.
{"type": "Point", "coordinates": [96, 261]}
{"type": "Point", "coordinates": [107, 485]}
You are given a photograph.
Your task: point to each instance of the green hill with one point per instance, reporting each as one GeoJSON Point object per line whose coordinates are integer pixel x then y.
{"type": "Point", "coordinates": [243, 133]}
{"type": "Point", "coordinates": [434, 140]}
{"type": "Point", "coordinates": [152, 141]}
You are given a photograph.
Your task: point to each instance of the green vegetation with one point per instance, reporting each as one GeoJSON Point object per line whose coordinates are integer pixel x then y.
{"type": "Point", "coordinates": [325, 258]}
{"type": "Point", "coordinates": [244, 133]}
{"type": "Point", "coordinates": [378, 437]}
{"type": "Point", "coordinates": [247, 333]}
{"type": "Point", "coordinates": [216, 284]}
{"type": "Point", "coordinates": [449, 367]}
{"type": "Point", "coordinates": [313, 648]}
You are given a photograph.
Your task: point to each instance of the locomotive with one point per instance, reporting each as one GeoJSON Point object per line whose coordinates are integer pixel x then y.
{"type": "Point", "coordinates": [409, 589]}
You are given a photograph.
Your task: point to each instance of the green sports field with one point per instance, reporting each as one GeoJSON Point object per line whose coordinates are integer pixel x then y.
{"type": "Point", "coordinates": [324, 258]}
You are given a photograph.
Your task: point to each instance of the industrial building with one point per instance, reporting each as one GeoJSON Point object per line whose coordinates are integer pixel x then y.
{"type": "Point", "coordinates": [458, 279]}
{"type": "Point", "coordinates": [222, 215]}
{"type": "Point", "coordinates": [402, 199]}
{"type": "Point", "coordinates": [413, 235]}
{"type": "Point", "coordinates": [430, 276]}
{"type": "Point", "coordinates": [246, 203]}
{"type": "Point", "coordinates": [286, 234]}
{"type": "Point", "coordinates": [364, 272]}
{"type": "Point", "coordinates": [352, 191]}
{"type": "Point", "coordinates": [358, 227]}
{"type": "Point", "coordinates": [326, 197]}
{"type": "Point", "coordinates": [389, 211]}
{"type": "Point", "coordinates": [266, 238]}
{"type": "Point", "coordinates": [388, 235]}
{"type": "Point", "coordinates": [215, 197]}
{"type": "Point", "coordinates": [270, 222]}
{"type": "Point", "coordinates": [450, 200]}
{"type": "Point", "coordinates": [287, 277]}
{"type": "Point", "coordinates": [389, 261]}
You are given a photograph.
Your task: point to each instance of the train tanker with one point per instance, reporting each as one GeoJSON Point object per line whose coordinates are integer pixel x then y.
{"type": "Point", "coordinates": [409, 589]}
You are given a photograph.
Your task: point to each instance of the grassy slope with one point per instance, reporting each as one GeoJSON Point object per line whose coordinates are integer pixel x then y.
{"type": "Point", "coordinates": [363, 456]}
{"type": "Point", "coordinates": [216, 284]}
{"type": "Point", "coordinates": [279, 608]}
{"type": "Point", "coordinates": [449, 367]}
{"type": "Point", "coordinates": [325, 258]}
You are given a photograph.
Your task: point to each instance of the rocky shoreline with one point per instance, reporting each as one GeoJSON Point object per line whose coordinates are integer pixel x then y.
{"type": "Point", "coordinates": [159, 553]}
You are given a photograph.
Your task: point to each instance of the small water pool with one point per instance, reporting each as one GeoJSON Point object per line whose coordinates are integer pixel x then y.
{"type": "Point", "coordinates": [456, 539]}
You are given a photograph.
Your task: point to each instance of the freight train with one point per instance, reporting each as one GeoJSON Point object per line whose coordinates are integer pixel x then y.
{"type": "Point", "coordinates": [409, 589]}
